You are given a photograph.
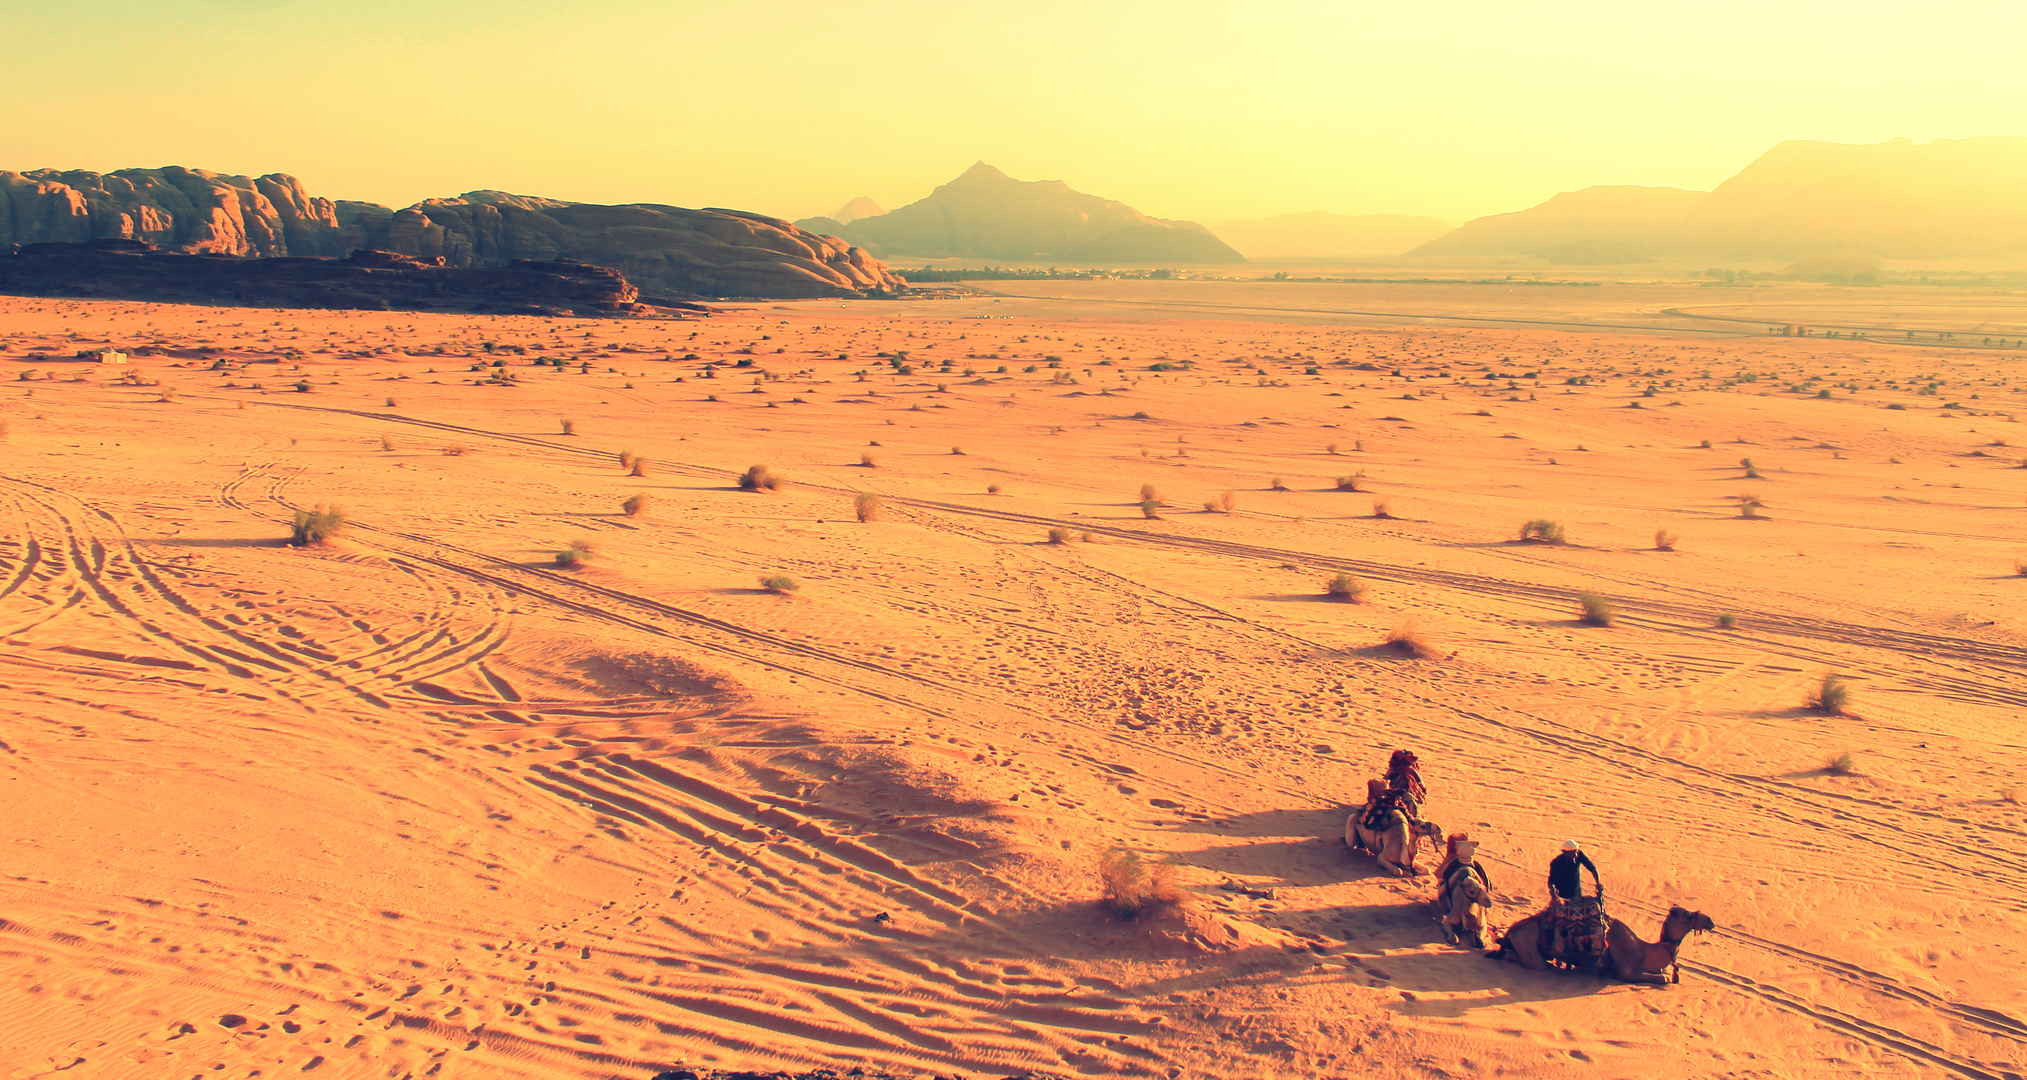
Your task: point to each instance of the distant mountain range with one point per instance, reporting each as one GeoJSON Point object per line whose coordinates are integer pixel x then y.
{"type": "Point", "coordinates": [1329, 236]}
{"type": "Point", "coordinates": [666, 250]}
{"type": "Point", "coordinates": [1948, 199]}
{"type": "Point", "coordinates": [986, 214]}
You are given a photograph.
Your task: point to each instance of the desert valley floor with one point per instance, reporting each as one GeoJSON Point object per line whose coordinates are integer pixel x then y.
{"type": "Point", "coordinates": [420, 802]}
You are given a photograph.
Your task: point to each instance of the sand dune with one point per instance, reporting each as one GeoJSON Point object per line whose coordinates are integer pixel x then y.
{"type": "Point", "coordinates": [420, 802]}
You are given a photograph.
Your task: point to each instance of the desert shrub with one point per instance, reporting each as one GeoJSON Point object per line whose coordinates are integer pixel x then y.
{"type": "Point", "coordinates": [575, 557]}
{"type": "Point", "coordinates": [1148, 494]}
{"type": "Point", "coordinates": [1354, 482]}
{"type": "Point", "coordinates": [760, 478]}
{"type": "Point", "coordinates": [1664, 540]}
{"type": "Point", "coordinates": [1346, 588]}
{"type": "Point", "coordinates": [1749, 506]}
{"type": "Point", "coordinates": [640, 467]}
{"type": "Point", "coordinates": [1841, 765]}
{"type": "Point", "coordinates": [1331, 449]}
{"type": "Point", "coordinates": [1380, 509]}
{"type": "Point", "coordinates": [866, 505]}
{"type": "Point", "coordinates": [1150, 509]}
{"type": "Point", "coordinates": [390, 403]}
{"type": "Point", "coordinates": [318, 526]}
{"type": "Point", "coordinates": [866, 462]}
{"type": "Point", "coordinates": [568, 427]}
{"type": "Point", "coordinates": [1407, 640]}
{"type": "Point", "coordinates": [1130, 888]}
{"type": "Point", "coordinates": [1542, 531]}
{"type": "Point", "coordinates": [1595, 610]}
{"type": "Point", "coordinates": [626, 459]}
{"type": "Point", "coordinates": [1831, 697]}
{"type": "Point", "coordinates": [386, 444]}
{"type": "Point", "coordinates": [1228, 502]}
{"type": "Point", "coordinates": [992, 489]}
{"type": "Point", "coordinates": [1727, 621]}
{"type": "Point", "coordinates": [2020, 568]}
{"type": "Point", "coordinates": [1752, 471]}
{"type": "Point", "coordinates": [634, 504]}
{"type": "Point", "coordinates": [1059, 536]}
{"type": "Point", "coordinates": [1277, 485]}
{"type": "Point", "coordinates": [780, 584]}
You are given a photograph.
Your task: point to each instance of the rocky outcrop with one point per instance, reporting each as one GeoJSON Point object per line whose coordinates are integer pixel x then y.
{"type": "Point", "coordinates": [670, 251]}
{"type": "Point", "coordinates": [987, 214]}
{"type": "Point", "coordinates": [135, 270]}
{"type": "Point", "coordinates": [188, 210]}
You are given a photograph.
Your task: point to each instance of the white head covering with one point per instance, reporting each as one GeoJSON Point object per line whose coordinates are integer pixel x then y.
{"type": "Point", "coordinates": [1571, 845]}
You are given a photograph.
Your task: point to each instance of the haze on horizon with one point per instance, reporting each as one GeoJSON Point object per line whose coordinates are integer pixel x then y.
{"type": "Point", "coordinates": [1200, 109]}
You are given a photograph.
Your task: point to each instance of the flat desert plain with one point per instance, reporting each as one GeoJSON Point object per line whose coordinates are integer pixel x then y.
{"type": "Point", "coordinates": [421, 801]}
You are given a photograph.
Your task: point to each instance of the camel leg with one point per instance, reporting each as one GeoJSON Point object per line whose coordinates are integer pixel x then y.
{"type": "Point", "coordinates": [1523, 942]}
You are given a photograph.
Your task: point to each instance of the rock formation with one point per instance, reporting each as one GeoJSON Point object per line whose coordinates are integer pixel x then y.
{"type": "Point", "coordinates": [856, 210]}
{"type": "Point", "coordinates": [135, 270]}
{"type": "Point", "coordinates": [986, 214]}
{"type": "Point", "coordinates": [670, 251]}
{"type": "Point", "coordinates": [1948, 199]}
{"type": "Point", "coordinates": [1330, 236]}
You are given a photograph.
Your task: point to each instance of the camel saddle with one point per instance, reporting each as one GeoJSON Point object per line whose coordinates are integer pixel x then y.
{"type": "Point", "coordinates": [1390, 802]}
{"type": "Point", "coordinates": [1581, 931]}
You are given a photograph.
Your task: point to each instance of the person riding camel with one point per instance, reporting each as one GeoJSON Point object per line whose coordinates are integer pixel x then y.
{"type": "Point", "coordinates": [1461, 857]}
{"type": "Point", "coordinates": [1570, 913]}
{"type": "Point", "coordinates": [1404, 771]}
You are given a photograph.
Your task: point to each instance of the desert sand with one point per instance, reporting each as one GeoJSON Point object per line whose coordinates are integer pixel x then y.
{"type": "Point", "coordinates": [419, 802]}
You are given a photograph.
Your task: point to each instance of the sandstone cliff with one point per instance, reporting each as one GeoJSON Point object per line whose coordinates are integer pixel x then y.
{"type": "Point", "coordinates": [668, 250]}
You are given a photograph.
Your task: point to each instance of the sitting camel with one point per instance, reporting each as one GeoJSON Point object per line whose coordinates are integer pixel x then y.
{"type": "Point", "coordinates": [1463, 896]}
{"type": "Point", "coordinates": [1395, 840]}
{"type": "Point", "coordinates": [1625, 955]}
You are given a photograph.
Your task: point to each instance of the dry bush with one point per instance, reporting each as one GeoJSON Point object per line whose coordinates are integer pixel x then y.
{"type": "Point", "coordinates": [760, 478]}
{"type": "Point", "coordinates": [780, 584]}
{"type": "Point", "coordinates": [1346, 588]}
{"type": "Point", "coordinates": [316, 527]}
{"type": "Point", "coordinates": [1664, 540]}
{"type": "Point", "coordinates": [957, 451]}
{"type": "Point", "coordinates": [1059, 536]}
{"type": "Point", "coordinates": [640, 467]}
{"type": "Point", "coordinates": [1841, 765]}
{"type": "Point", "coordinates": [2020, 568]}
{"type": "Point", "coordinates": [1148, 494]}
{"type": "Point", "coordinates": [1542, 531]}
{"type": "Point", "coordinates": [1752, 471]}
{"type": "Point", "coordinates": [390, 403]}
{"type": "Point", "coordinates": [1331, 449]}
{"type": "Point", "coordinates": [1130, 888]}
{"type": "Point", "coordinates": [568, 427]}
{"type": "Point", "coordinates": [1228, 502]}
{"type": "Point", "coordinates": [1150, 509]}
{"type": "Point", "coordinates": [866, 505]}
{"type": "Point", "coordinates": [1381, 510]}
{"type": "Point", "coordinates": [1595, 610]}
{"type": "Point", "coordinates": [1354, 482]}
{"type": "Point", "coordinates": [2014, 795]}
{"type": "Point", "coordinates": [1277, 485]}
{"type": "Point", "coordinates": [456, 451]}
{"type": "Point", "coordinates": [1408, 640]}
{"type": "Point", "coordinates": [1749, 506]}
{"type": "Point", "coordinates": [626, 459]}
{"type": "Point", "coordinates": [386, 444]}
{"type": "Point", "coordinates": [633, 505]}
{"type": "Point", "coordinates": [575, 557]}
{"type": "Point", "coordinates": [992, 489]}
{"type": "Point", "coordinates": [1727, 621]}
{"type": "Point", "coordinates": [866, 462]}
{"type": "Point", "coordinates": [1831, 697]}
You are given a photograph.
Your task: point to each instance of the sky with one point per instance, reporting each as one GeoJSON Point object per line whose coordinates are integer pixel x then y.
{"type": "Point", "coordinates": [1200, 109]}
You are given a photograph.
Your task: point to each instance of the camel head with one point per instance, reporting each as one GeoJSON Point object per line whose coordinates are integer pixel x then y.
{"type": "Point", "coordinates": [1689, 920]}
{"type": "Point", "coordinates": [1429, 829]}
{"type": "Point", "coordinates": [1473, 889]}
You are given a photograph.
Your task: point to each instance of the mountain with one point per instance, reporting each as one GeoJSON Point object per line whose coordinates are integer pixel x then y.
{"type": "Point", "coordinates": [1800, 201]}
{"type": "Point", "coordinates": [856, 209]}
{"type": "Point", "coordinates": [1595, 225]}
{"type": "Point", "coordinates": [666, 250]}
{"type": "Point", "coordinates": [1329, 236]}
{"type": "Point", "coordinates": [986, 214]}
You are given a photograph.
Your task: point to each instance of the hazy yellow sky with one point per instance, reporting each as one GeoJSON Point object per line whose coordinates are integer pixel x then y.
{"type": "Point", "coordinates": [1185, 108]}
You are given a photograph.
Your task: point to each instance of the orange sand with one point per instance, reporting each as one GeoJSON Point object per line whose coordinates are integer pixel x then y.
{"type": "Point", "coordinates": [417, 803]}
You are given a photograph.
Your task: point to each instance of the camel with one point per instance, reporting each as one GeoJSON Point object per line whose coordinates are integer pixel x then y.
{"type": "Point", "coordinates": [1626, 956]}
{"type": "Point", "coordinates": [1395, 843]}
{"type": "Point", "coordinates": [1462, 902]}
